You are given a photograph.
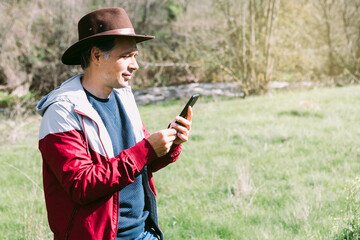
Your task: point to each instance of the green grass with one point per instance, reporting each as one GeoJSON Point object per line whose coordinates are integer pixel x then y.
{"type": "Point", "coordinates": [270, 167]}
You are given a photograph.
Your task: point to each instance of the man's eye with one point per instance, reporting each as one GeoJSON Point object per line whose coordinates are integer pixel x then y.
{"type": "Point", "coordinates": [129, 55]}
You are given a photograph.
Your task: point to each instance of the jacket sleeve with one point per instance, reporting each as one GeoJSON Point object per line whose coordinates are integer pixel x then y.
{"type": "Point", "coordinates": [83, 174]}
{"type": "Point", "coordinates": [165, 160]}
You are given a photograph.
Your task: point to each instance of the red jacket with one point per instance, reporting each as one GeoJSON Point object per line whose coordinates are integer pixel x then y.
{"type": "Point", "coordinates": [81, 177]}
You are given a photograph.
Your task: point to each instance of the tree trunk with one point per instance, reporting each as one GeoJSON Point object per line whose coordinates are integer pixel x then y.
{"type": "Point", "coordinates": [244, 55]}
{"type": "Point", "coordinates": [252, 41]}
{"type": "Point", "coordinates": [270, 23]}
{"type": "Point", "coordinates": [326, 8]}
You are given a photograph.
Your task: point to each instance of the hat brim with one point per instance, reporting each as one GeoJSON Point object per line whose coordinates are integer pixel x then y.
{"type": "Point", "coordinates": [72, 55]}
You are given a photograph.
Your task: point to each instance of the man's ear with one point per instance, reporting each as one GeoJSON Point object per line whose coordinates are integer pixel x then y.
{"type": "Point", "coordinates": [95, 55]}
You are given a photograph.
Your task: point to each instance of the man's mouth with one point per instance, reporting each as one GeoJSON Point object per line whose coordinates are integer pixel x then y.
{"type": "Point", "coordinates": [126, 76]}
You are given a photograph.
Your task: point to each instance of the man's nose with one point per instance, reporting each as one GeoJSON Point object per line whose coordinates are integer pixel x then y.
{"type": "Point", "coordinates": [133, 64]}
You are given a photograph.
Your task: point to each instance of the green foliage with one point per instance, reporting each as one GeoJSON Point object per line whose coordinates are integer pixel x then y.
{"type": "Point", "coordinates": [6, 99]}
{"type": "Point", "coordinates": [252, 42]}
{"type": "Point", "coordinates": [14, 106]}
{"type": "Point", "coordinates": [174, 10]}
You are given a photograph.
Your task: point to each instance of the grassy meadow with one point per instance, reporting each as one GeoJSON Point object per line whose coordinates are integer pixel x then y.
{"type": "Point", "coordinates": [281, 166]}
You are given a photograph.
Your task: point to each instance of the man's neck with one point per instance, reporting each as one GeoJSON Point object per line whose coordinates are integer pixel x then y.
{"type": "Point", "coordinates": [92, 84]}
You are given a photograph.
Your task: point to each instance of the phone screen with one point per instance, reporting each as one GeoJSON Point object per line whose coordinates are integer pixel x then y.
{"type": "Point", "coordinates": [190, 103]}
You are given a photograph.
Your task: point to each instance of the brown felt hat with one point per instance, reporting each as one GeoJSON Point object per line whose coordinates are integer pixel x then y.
{"type": "Point", "coordinates": [98, 26]}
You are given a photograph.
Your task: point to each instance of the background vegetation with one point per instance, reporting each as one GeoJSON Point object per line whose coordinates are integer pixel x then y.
{"type": "Point", "coordinates": [248, 41]}
{"type": "Point", "coordinates": [284, 166]}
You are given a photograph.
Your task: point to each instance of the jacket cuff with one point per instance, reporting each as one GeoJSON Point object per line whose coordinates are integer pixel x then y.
{"type": "Point", "coordinates": [175, 151]}
{"type": "Point", "coordinates": [143, 153]}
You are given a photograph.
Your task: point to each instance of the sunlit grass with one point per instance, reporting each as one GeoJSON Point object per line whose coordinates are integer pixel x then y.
{"type": "Point", "coordinates": [270, 167]}
{"type": "Point", "coordinates": [262, 168]}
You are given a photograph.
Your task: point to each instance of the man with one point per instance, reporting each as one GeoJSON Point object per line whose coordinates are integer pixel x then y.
{"type": "Point", "coordinates": [98, 158]}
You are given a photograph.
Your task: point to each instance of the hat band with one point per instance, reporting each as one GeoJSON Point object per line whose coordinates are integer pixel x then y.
{"type": "Point", "coordinates": [119, 31]}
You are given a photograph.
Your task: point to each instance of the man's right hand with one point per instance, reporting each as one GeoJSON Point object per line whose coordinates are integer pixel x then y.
{"type": "Point", "coordinates": [162, 141]}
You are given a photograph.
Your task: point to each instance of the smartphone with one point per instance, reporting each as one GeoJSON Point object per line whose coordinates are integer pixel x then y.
{"type": "Point", "coordinates": [190, 103]}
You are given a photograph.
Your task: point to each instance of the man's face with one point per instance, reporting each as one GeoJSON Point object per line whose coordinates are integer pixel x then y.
{"type": "Point", "coordinates": [118, 68]}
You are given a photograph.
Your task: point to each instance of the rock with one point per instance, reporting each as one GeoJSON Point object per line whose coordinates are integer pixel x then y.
{"type": "Point", "coordinates": [227, 89]}
{"type": "Point", "coordinates": [278, 85]}
{"type": "Point", "coordinates": [159, 94]}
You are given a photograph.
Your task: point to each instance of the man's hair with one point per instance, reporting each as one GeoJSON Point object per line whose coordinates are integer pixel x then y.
{"type": "Point", "coordinates": [104, 46]}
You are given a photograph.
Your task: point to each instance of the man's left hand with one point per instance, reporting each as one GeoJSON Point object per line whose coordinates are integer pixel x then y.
{"type": "Point", "coordinates": [182, 131]}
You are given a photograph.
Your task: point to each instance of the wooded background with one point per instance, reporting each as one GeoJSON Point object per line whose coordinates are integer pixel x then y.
{"type": "Point", "coordinates": [252, 42]}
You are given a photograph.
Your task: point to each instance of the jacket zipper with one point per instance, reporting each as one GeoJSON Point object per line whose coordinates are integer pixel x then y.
{"type": "Point", "coordinates": [86, 139]}
{"type": "Point", "coordinates": [152, 200]}
{"type": "Point", "coordinates": [71, 222]}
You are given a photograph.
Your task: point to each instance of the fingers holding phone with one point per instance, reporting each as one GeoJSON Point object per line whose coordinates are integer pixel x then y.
{"type": "Point", "coordinates": [162, 141]}
{"type": "Point", "coordinates": [182, 126]}
{"type": "Point", "coordinates": [182, 123]}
